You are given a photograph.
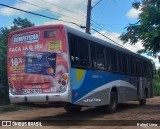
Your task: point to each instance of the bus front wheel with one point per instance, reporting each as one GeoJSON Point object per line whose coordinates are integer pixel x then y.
{"type": "Point", "coordinates": [72, 108]}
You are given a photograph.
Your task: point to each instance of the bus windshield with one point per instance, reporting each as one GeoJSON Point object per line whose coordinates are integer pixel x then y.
{"type": "Point", "coordinates": [37, 60]}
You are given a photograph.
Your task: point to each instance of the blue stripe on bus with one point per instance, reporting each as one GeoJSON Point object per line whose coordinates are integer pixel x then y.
{"type": "Point", "coordinates": [85, 81]}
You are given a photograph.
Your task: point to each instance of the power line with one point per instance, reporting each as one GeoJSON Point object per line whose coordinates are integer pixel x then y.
{"type": "Point", "coordinates": [118, 24]}
{"type": "Point", "coordinates": [115, 26]}
{"type": "Point", "coordinates": [111, 39]}
{"type": "Point", "coordinates": [107, 37]}
{"type": "Point", "coordinates": [62, 8]}
{"type": "Point", "coordinates": [55, 19]}
{"type": "Point", "coordinates": [59, 13]}
{"type": "Point", "coordinates": [40, 7]}
{"type": "Point", "coordinates": [37, 14]}
{"type": "Point", "coordinates": [49, 10]}
{"type": "Point", "coordinates": [51, 18]}
{"type": "Point", "coordinates": [59, 7]}
{"type": "Point", "coordinates": [104, 30]}
{"type": "Point", "coordinates": [96, 4]}
{"type": "Point", "coordinates": [110, 34]}
{"type": "Point", "coordinates": [98, 25]}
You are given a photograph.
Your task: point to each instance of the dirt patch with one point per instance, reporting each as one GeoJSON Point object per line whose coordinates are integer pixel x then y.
{"type": "Point", "coordinates": [127, 112]}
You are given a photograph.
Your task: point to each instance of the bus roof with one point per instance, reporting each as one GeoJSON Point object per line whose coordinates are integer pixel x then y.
{"type": "Point", "coordinates": [33, 28]}
{"type": "Point", "coordinates": [81, 34]}
{"type": "Point", "coordinates": [103, 42]}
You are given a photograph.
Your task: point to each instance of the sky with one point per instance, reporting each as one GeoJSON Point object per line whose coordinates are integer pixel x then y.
{"type": "Point", "coordinates": [109, 17]}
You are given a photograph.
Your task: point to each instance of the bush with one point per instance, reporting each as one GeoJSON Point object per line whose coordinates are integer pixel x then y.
{"type": "Point", "coordinates": [4, 95]}
{"type": "Point", "coordinates": [156, 85]}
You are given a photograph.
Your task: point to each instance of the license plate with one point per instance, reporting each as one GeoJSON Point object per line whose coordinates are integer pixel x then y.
{"type": "Point", "coordinates": [31, 91]}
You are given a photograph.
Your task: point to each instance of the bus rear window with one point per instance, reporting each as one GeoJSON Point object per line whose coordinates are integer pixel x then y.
{"type": "Point", "coordinates": [49, 34]}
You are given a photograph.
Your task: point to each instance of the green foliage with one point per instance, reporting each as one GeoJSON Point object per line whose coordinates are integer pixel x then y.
{"type": "Point", "coordinates": [4, 99]}
{"type": "Point", "coordinates": [156, 81]}
{"type": "Point", "coordinates": [20, 24]}
{"type": "Point", "coordinates": [17, 24]}
{"type": "Point", "coordinates": [147, 29]}
{"type": "Point", "coordinates": [156, 87]}
{"type": "Point", "coordinates": [158, 72]}
{"type": "Point", "coordinates": [4, 95]}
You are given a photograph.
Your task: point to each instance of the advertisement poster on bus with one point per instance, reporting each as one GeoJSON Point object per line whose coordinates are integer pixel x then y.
{"type": "Point", "coordinates": [36, 61]}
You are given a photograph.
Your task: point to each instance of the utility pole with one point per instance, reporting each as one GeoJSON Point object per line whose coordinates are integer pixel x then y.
{"type": "Point", "coordinates": [88, 23]}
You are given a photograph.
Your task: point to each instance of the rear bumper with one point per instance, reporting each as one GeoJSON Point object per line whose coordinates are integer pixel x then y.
{"type": "Point", "coordinates": [40, 98]}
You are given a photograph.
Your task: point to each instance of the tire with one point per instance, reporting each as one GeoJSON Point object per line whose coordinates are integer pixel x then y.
{"type": "Point", "coordinates": [112, 107]}
{"type": "Point", "coordinates": [142, 102]}
{"type": "Point", "coordinates": [72, 108]}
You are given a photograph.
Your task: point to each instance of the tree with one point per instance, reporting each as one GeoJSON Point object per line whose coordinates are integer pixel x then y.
{"type": "Point", "coordinates": [3, 55]}
{"type": "Point", "coordinates": [17, 24]}
{"type": "Point", "coordinates": [158, 72]}
{"type": "Point", "coordinates": [147, 29]}
{"type": "Point", "coordinates": [20, 24]}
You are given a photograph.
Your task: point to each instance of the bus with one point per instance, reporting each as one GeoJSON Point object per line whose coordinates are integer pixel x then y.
{"type": "Point", "coordinates": [59, 64]}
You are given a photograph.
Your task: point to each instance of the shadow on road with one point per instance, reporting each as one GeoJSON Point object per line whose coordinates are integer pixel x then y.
{"type": "Point", "coordinates": [87, 113]}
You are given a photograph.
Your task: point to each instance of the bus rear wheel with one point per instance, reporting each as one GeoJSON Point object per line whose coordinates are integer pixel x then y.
{"type": "Point", "coordinates": [72, 108]}
{"type": "Point", "coordinates": [112, 107]}
{"type": "Point", "coordinates": [142, 102]}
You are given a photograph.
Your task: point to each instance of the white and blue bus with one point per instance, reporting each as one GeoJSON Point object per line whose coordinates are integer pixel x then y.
{"type": "Point", "coordinates": [56, 63]}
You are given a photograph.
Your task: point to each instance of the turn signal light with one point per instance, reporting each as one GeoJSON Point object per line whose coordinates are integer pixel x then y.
{"type": "Point", "coordinates": [64, 76]}
{"type": "Point", "coordinates": [63, 82]}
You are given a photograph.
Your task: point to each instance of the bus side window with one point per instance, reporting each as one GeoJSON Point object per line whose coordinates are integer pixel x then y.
{"type": "Point", "coordinates": [125, 63]}
{"type": "Point", "coordinates": [97, 56]}
{"type": "Point", "coordinates": [83, 52]}
{"type": "Point", "coordinates": [132, 65]}
{"type": "Point", "coordinates": [149, 70]}
{"type": "Point", "coordinates": [108, 64]}
{"type": "Point", "coordinates": [120, 62]}
{"type": "Point", "coordinates": [93, 55]}
{"type": "Point", "coordinates": [144, 69]}
{"type": "Point", "coordinates": [100, 51]}
{"type": "Point", "coordinates": [74, 50]}
{"type": "Point", "coordinates": [114, 62]}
